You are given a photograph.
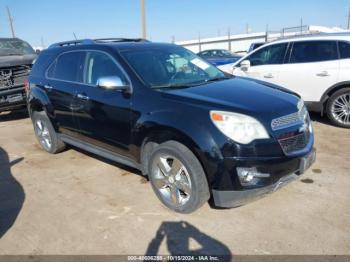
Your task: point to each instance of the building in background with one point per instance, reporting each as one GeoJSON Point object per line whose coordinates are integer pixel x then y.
{"type": "Point", "coordinates": [240, 43]}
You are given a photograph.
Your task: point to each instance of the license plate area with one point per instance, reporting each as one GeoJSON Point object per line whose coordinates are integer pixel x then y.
{"type": "Point", "coordinates": [14, 98]}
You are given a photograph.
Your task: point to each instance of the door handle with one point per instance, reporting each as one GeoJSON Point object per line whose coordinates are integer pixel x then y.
{"type": "Point", "coordinates": [323, 73]}
{"type": "Point", "coordinates": [269, 75]}
{"type": "Point", "coordinates": [48, 87]}
{"type": "Point", "coordinates": [82, 97]}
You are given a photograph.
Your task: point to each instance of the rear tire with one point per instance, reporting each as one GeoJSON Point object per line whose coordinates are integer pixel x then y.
{"type": "Point", "coordinates": [338, 108]}
{"type": "Point", "coordinates": [45, 133]}
{"type": "Point", "coordinates": [177, 177]}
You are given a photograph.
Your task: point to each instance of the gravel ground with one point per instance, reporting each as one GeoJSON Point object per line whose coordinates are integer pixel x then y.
{"type": "Point", "coordinates": [77, 203]}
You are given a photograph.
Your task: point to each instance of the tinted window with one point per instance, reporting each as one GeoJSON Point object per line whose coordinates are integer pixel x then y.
{"type": "Point", "coordinates": [100, 65]}
{"type": "Point", "coordinates": [269, 55]}
{"type": "Point", "coordinates": [313, 51]}
{"type": "Point", "coordinates": [68, 67]}
{"type": "Point", "coordinates": [344, 49]}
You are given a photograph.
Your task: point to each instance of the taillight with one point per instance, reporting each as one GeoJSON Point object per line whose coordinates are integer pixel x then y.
{"type": "Point", "coordinates": [26, 85]}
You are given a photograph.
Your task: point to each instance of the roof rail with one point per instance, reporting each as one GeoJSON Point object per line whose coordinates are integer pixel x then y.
{"type": "Point", "coordinates": [94, 41]}
{"type": "Point", "coordinates": [311, 34]}
{"type": "Point", "coordinates": [73, 42]}
{"type": "Point", "coordinates": [120, 40]}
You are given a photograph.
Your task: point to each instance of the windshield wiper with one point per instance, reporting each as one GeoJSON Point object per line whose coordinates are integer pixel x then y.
{"type": "Point", "coordinates": [184, 85]}
{"type": "Point", "coordinates": [218, 78]}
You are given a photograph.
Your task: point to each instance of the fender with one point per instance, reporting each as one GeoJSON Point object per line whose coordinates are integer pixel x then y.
{"type": "Point", "coordinates": [164, 125]}
{"type": "Point", "coordinates": [333, 89]}
{"type": "Point", "coordinates": [39, 101]}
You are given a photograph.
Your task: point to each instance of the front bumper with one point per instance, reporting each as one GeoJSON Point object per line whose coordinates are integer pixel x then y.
{"type": "Point", "coordinates": [235, 198]}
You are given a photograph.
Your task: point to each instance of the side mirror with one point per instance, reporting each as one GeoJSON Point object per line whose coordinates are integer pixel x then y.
{"type": "Point", "coordinates": [245, 65]}
{"type": "Point", "coordinates": [37, 51]}
{"type": "Point", "coordinates": [112, 83]}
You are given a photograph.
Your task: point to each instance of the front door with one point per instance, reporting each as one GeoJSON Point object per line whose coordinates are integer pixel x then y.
{"type": "Point", "coordinates": [265, 63]}
{"type": "Point", "coordinates": [104, 115]}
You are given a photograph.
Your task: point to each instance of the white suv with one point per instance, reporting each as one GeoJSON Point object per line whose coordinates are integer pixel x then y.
{"type": "Point", "coordinates": [315, 67]}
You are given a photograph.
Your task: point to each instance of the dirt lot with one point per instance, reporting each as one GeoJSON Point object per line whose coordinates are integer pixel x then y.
{"type": "Point", "coordinates": [75, 203]}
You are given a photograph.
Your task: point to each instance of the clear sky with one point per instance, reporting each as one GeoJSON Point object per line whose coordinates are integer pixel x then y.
{"type": "Point", "coordinates": [57, 20]}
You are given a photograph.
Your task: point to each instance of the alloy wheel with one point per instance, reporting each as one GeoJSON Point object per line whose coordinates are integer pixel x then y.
{"type": "Point", "coordinates": [341, 109]}
{"type": "Point", "coordinates": [43, 134]}
{"type": "Point", "coordinates": [172, 180]}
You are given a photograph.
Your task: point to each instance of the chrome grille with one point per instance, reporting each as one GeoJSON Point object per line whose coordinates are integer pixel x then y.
{"type": "Point", "coordinates": [11, 77]}
{"type": "Point", "coordinates": [289, 120]}
{"type": "Point", "coordinates": [295, 143]}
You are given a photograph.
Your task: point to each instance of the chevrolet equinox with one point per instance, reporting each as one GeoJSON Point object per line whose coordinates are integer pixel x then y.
{"type": "Point", "coordinates": [197, 133]}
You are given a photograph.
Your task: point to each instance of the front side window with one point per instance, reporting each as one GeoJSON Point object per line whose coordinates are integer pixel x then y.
{"type": "Point", "coordinates": [313, 51]}
{"type": "Point", "coordinates": [99, 65]}
{"type": "Point", "coordinates": [68, 67]}
{"type": "Point", "coordinates": [270, 55]}
{"type": "Point", "coordinates": [344, 50]}
{"type": "Point", "coordinates": [170, 66]}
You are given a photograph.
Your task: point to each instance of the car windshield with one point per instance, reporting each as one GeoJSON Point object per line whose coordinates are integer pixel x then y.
{"type": "Point", "coordinates": [14, 47]}
{"type": "Point", "coordinates": [171, 67]}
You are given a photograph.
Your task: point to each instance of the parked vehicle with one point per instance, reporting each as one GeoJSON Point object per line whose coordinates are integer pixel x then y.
{"type": "Point", "coordinates": [160, 108]}
{"type": "Point", "coordinates": [315, 67]}
{"type": "Point", "coordinates": [16, 57]}
{"type": "Point", "coordinates": [254, 46]}
{"type": "Point", "coordinates": [219, 56]}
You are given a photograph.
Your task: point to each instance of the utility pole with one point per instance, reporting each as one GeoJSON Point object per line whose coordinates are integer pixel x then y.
{"type": "Point", "coordinates": [143, 19]}
{"type": "Point", "coordinates": [10, 21]}
{"type": "Point", "coordinates": [349, 20]}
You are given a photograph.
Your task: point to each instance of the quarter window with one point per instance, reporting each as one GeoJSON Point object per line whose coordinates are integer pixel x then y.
{"type": "Point", "coordinates": [314, 51]}
{"type": "Point", "coordinates": [98, 65]}
{"type": "Point", "coordinates": [68, 67]}
{"type": "Point", "coordinates": [270, 55]}
{"type": "Point", "coordinates": [344, 50]}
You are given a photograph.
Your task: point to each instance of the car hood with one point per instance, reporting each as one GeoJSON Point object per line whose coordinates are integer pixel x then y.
{"type": "Point", "coordinates": [241, 95]}
{"type": "Point", "coordinates": [16, 60]}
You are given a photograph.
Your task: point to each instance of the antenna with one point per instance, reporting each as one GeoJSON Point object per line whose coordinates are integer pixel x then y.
{"type": "Point", "coordinates": [10, 21]}
{"type": "Point", "coordinates": [75, 37]}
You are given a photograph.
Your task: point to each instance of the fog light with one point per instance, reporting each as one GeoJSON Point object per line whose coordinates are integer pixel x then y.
{"type": "Point", "coordinates": [250, 176]}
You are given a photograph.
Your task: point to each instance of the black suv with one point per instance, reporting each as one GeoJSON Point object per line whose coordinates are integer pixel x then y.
{"type": "Point", "coordinates": [16, 57]}
{"type": "Point", "coordinates": [196, 133]}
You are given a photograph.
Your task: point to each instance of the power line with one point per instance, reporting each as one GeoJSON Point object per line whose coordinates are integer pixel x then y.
{"type": "Point", "coordinates": [10, 21]}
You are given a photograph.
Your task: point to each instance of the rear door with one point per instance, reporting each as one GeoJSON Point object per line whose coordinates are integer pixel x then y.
{"type": "Point", "coordinates": [266, 63]}
{"type": "Point", "coordinates": [313, 67]}
{"type": "Point", "coordinates": [64, 77]}
{"type": "Point", "coordinates": [104, 115]}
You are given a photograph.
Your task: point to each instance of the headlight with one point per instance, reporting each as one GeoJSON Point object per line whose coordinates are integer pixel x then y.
{"type": "Point", "coordinates": [240, 128]}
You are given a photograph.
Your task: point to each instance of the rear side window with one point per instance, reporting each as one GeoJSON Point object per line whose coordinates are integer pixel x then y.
{"type": "Point", "coordinates": [270, 55]}
{"type": "Point", "coordinates": [98, 65]}
{"type": "Point", "coordinates": [344, 50]}
{"type": "Point", "coordinates": [67, 67]}
{"type": "Point", "coordinates": [313, 51]}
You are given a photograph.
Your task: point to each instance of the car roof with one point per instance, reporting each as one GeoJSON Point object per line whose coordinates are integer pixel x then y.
{"type": "Point", "coordinates": [322, 36]}
{"type": "Point", "coordinates": [115, 43]}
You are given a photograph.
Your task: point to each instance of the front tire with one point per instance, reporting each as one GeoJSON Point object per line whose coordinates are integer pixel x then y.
{"type": "Point", "coordinates": [177, 177]}
{"type": "Point", "coordinates": [45, 133]}
{"type": "Point", "coordinates": [338, 108]}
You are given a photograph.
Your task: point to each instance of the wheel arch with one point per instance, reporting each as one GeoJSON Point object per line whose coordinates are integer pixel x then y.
{"type": "Point", "coordinates": [331, 90]}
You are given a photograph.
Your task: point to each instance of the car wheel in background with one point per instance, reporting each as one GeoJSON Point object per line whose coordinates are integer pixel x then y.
{"type": "Point", "coordinates": [338, 108]}
{"type": "Point", "coordinates": [177, 177]}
